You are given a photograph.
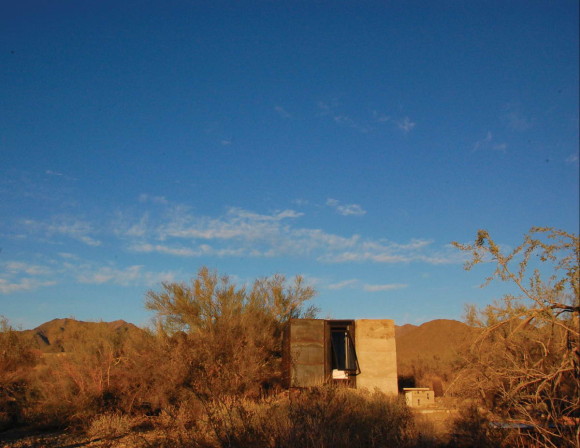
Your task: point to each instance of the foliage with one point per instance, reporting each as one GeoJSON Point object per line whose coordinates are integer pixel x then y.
{"type": "Point", "coordinates": [526, 360]}
{"type": "Point", "coordinates": [109, 426]}
{"type": "Point", "coordinates": [474, 429]}
{"type": "Point", "coordinates": [228, 339]}
{"type": "Point", "coordinates": [17, 359]}
{"type": "Point", "coordinates": [72, 386]}
{"type": "Point", "coordinates": [326, 416]}
{"type": "Point", "coordinates": [341, 417]}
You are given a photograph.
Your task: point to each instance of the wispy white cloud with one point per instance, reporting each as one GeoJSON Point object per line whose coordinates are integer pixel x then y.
{"type": "Point", "coordinates": [572, 159]}
{"type": "Point", "coordinates": [327, 107]}
{"type": "Point", "coordinates": [365, 122]}
{"type": "Point", "coordinates": [345, 209]}
{"type": "Point", "coordinates": [144, 197]}
{"type": "Point", "coordinates": [385, 287]}
{"type": "Point", "coordinates": [389, 252]}
{"type": "Point", "coordinates": [487, 143]}
{"type": "Point", "coordinates": [514, 119]}
{"type": "Point", "coordinates": [68, 255]}
{"type": "Point", "coordinates": [240, 232]}
{"type": "Point", "coordinates": [277, 216]}
{"type": "Point", "coordinates": [133, 275]}
{"type": "Point", "coordinates": [164, 249]}
{"type": "Point", "coordinates": [176, 231]}
{"type": "Point", "coordinates": [106, 274]}
{"type": "Point", "coordinates": [379, 117]}
{"type": "Point", "coordinates": [96, 273]}
{"type": "Point", "coordinates": [19, 276]}
{"type": "Point", "coordinates": [237, 224]}
{"type": "Point", "coordinates": [15, 267]}
{"type": "Point", "coordinates": [139, 228]}
{"type": "Point", "coordinates": [300, 202]}
{"type": "Point", "coordinates": [70, 227]}
{"type": "Point", "coordinates": [350, 122]}
{"type": "Point", "coordinates": [362, 255]}
{"type": "Point", "coordinates": [155, 278]}
{"type": "Point", "coordinates": [343, 284]}
{"type": "Point", "coordinates": [282, 112]}
{"type": "Point", "coordinates": [406, 125]}
{"type": "Point", "coordinates": [23, 284]}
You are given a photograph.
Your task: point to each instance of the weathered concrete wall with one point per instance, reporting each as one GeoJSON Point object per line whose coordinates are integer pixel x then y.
{"type": "Point", "coordinates": [307, 352]}
{"type": "Point", "coordinates": [419, 397]}
{"type": "Point", "coordinates": [377, 354]}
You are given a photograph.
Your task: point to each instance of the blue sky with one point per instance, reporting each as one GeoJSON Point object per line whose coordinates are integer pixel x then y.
{"type": "Point", "coordinates": [349, 142]}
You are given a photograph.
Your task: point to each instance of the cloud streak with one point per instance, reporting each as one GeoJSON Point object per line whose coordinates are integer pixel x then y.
{"type": "Point", "coordinates": [19, 276]}
{"type": "Point", "coordinates": [23, 284]}
{"type": "Point", "coordinates": [165, 229]}
{"type": "Point", "coordinates": [75, 229]}
{"type": "Point", "coordinates": [282, 112]}
{"type": "Point", "coordinates": [346, 209]}
{"type": "Point", "coordinates": [244, 233]}
{"type": "Point", "coordinates": [342, 285]}
{"type": "Point", "coordinates": [515, 120]}
{"type": "Point", "coordinates": [406, 125]}
{"type": "Point", "coordinates": [384, 287]}
{"type": "Point", "coordinates": [487, 143]}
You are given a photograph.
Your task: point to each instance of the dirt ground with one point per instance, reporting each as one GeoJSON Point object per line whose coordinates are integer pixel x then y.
{"type": "Point", "coordinates": [27, 438]}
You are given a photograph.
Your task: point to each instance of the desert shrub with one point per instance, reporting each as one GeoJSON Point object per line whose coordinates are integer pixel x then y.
{"type": "Point", "coordinates": [337, 417]}
{"type": "Point", "coordinates": [17, 361]}
{"type": "Point", "coordinates": [109, 425]}
{"type": "Point", "coordinates": [473, 430]}
{"type": "Point", "coordinates": [319, 417]}
{"type": "Point", "coordinates": [227, 340]}
{"type": "Point", "coordinates": [70, 388]}
{"type": "Point", "coordinates": [525, 359]}
{"type": "Point", "coordinates": [183, 425]}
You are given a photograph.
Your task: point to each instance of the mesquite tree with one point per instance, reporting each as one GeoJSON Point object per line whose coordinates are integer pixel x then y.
{"type": "Point", "coordinates": [526, 360]}
{"type": "Point", "coordinates": [228, 338]}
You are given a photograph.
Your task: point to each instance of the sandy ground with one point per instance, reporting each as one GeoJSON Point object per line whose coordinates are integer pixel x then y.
{"type": "Point", "coordinates": [27, 438]}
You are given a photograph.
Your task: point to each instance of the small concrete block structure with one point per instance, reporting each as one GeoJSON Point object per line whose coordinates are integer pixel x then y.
{"type": "Point", "coordinates": [357, 353]}
{"type": "Point", "coordinates": [417, 397]}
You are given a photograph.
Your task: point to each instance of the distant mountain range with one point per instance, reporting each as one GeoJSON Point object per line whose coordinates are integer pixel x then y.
{"type": "Point", "coordinates": [437, 340]}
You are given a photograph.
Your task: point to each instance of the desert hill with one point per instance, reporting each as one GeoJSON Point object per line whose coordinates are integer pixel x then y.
{"type": "Point", "coordinates": [58, 335]}
{"type": "Point", "coordinates": [427, 355]}
{"type": "Point", "coordinates": [403, 329]}
{"type": "Point", "coordinates": [437, 338]}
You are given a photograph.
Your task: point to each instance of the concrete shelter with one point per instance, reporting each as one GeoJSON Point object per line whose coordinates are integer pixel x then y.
{"type": "Point", "coordinates": [358, 353]}
{"type": "Point", "coordinates": [419, 396]}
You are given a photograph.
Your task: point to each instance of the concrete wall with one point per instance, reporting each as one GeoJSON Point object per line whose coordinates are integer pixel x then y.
{"type": "Point", "coordinates": [307, 352]}
{"type": "Point", "coordinates": [419, 397]}
{"type": "Point", "coordinates": [310, 353]}
{"type": "Point", "coordinates": [377, 354]}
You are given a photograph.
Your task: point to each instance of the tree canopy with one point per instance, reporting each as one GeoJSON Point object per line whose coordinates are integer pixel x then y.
{"type": "Point", "coordinates": [527, 358]}
{"type": "Point", "coordinates": [231, 336]}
